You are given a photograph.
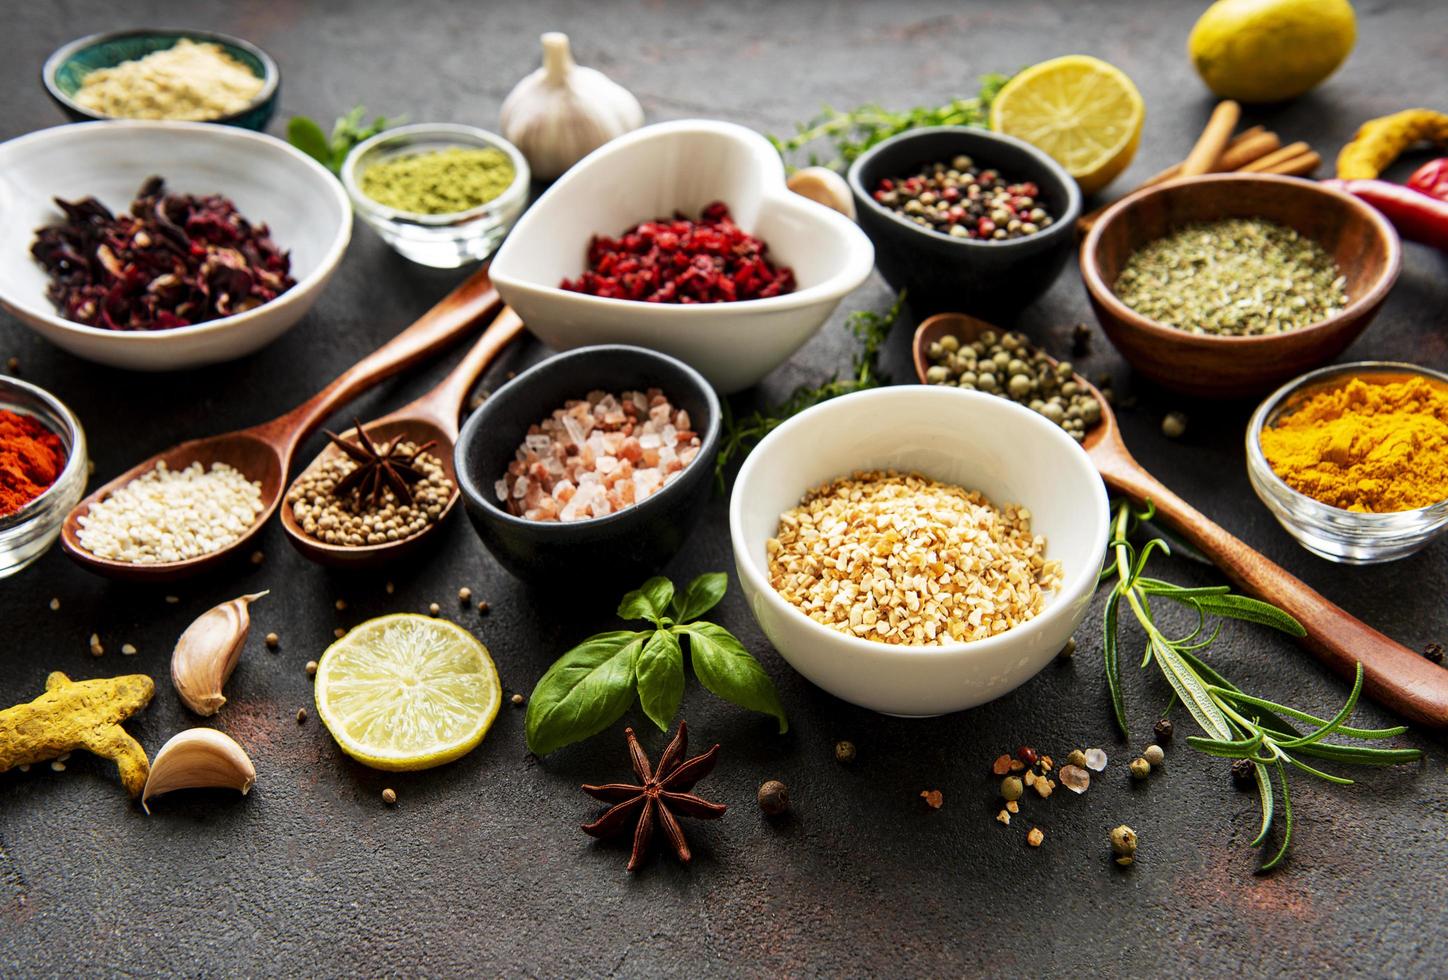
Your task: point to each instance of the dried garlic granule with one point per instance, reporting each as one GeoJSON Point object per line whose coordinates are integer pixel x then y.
{"type": "Point", "coordinates": [900, 558]}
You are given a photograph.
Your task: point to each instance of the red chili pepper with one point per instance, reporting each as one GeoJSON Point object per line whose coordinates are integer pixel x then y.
{"type": "Point", "coordinates": [1432, 178]}
{"type": "Point", "coordinates": [1419, 217]}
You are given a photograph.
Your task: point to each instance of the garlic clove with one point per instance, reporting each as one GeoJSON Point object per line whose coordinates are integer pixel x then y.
{"type": "Point", "coordinates": [823, 186]}
{"type": "Point", "coordinates": [207, 653]}
{"type": "Point", "coordinates": [562, 112]}
{"type": "Point", "coordinates": [199, 758]}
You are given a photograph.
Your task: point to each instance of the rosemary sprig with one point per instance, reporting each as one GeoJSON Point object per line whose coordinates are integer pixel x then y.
{"type": "Point", "coordinates": [1237, 725]}
{"type": "Point", "coordinates": [851, 133]}
{"type": "Point", "coordinates": [743, 434]}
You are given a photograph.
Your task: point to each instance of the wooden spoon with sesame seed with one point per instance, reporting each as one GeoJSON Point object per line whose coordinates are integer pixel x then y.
{"type": "Point", "coordinates": [263, 453]}
{"type": "Point", "coordinates": [1394, 676]}
{"type": "Point", "coordinates": [431, 418]}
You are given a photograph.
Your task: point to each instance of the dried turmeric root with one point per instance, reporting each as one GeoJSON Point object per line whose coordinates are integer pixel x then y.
{"type": "Point", "coordinates": [1379, 141]}
{"type": "Point", "coordinates": [79, 715]}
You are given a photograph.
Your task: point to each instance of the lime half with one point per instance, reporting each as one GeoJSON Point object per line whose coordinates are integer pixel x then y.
{"type": "Point", "coordinates": [407, 692]}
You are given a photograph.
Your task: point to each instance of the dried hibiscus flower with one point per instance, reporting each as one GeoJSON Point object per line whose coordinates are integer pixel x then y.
{"type": "Point", "coordinates": [171, 261]}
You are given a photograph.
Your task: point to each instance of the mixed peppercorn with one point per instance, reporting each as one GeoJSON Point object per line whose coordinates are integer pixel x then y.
{"type": "Point", "coordinates": [963, 201]}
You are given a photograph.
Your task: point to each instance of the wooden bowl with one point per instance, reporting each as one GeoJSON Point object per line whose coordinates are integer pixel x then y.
{"type": "Point", "coordinates": [1360, 239]}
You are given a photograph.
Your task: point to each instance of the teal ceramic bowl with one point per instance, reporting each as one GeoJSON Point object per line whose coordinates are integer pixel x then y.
{"type": "Point", "coordinates": [67, 67]}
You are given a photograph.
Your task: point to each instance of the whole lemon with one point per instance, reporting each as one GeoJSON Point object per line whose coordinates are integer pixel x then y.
{"type": "Point", "coordinates": [1270, 50]}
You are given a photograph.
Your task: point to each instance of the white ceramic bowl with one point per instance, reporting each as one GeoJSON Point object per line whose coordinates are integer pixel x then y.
{"type": "Point", "coordinates": [302, 204]}
{"type": "Point", "coordinates": [653, 172]}
{"type": "Point", "coordinates": [1007, 452]}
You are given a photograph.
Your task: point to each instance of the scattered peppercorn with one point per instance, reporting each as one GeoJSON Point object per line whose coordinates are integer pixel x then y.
{"type": "Point", "coordinates": [1027, 755]}
{"type": "Point", "coordinates": [844, 751]}
{"type": "Point", "coordinates": [1035, 837]}
{"type": "Point", "coordinates": [339, 632]}
{"type": "Point", "coordinates": [301, 715]}
{"type": "Point", "coordinates": [1077, 758]}
{"type": "Point", "coordinates": [773, 797]}
{"type": "Point", "coordinates": [1123, 844]}
{"type": "Point", "coordinates": [1433, 651]}
{"type": "Point", "coordinates": [434, 609]}
{"type": "Point", "coordinates": [517, 699]}
{"type": "Point", "coordinates": [340, 604]}
{"type": "Point", "coordinates": [465, 595]}
{"type": "Point", "coordinates": [1140, 768]}
{"type": "Point", "coordinates": [1153, 755]}
{"type": "Point", "coordinates": [311, 668]}
{"type": "Point", "coordinates": [1174, 426]}
{"type": "Point", "coordinates": [273, 641]}
{"type": "Point", "coordinates": [483, 607]}
{"type": "Point", "coordinates": [1011, 788]}
{"type": "Point", "coordinates": [963, 201]}
{"type": "Point", "coordinates": [389, 796]}
{"type": "Point", "coordinates": [1244, 774]}
{"type": "Point", "coordinates": [1163, 730]}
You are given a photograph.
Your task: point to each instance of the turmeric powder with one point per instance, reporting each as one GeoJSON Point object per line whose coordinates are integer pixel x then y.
{"type": "Point", "coordinates": [1366, 446]}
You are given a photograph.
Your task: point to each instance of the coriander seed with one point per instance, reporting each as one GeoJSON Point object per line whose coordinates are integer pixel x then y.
{"type": "Point", "coordinates": [465, 595]}
{"type": "Point", "coordinates": [311, 668]}
{"type": "Point", "coordinates": [517, 699]}
{"type": "Point", "coordinates": [1174, 426]}
{"type": "Point", "coordinates": [301, 715]}
{"type": "Point", "coordinates": [1140, 768]}
{"type": "Point", "coordinates": [1153, 755]}
{"type": "Point", "coordinates": [273, 641]}
{"type": "Point", "coordinates": [389, 796]}
{"type": "Point", "coordinates": [434, 609]}
{"type": "Point", "coordinates": [54, 605]}
{"type": "Point", "coordinates": [483, 607]}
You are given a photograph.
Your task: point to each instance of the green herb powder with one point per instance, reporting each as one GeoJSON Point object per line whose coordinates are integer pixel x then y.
{"type": "Point", "coordinates": [439, 181]}
{"type": "Point", "coordinates": [1241, 277]}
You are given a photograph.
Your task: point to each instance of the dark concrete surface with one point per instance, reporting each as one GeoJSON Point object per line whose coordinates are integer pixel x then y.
{"type": "Point", "coordinates": [480, 868]}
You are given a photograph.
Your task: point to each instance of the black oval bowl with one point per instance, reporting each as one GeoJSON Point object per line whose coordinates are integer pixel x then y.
{"type": "Point", "coordinates": [68, 65]}
{"type": "Point", "coordinates": [944, 273]}
{"type": "Point", "coordinates": [631, 542]}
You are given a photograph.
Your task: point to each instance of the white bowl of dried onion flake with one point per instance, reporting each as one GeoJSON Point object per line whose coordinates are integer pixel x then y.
{"type": "Point", "coordinates": [1030, 474]}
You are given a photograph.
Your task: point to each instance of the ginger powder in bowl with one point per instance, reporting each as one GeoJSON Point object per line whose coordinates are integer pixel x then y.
{"type": "Point", "coordinates": [191, 80]}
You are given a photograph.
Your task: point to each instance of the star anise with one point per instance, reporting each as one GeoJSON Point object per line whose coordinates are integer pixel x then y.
{"type": "Point", "coordinates": [663, 794]}
{"type": "Point", "coordinates": [378, 470]}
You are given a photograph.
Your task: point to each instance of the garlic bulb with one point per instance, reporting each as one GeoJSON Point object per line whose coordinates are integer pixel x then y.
{"type": "Point", "coordinates": [562, 112]}
{"type": "Point", "coordinates": [197, 758]}
{"type": "Point", "coordinates": [207, 653]}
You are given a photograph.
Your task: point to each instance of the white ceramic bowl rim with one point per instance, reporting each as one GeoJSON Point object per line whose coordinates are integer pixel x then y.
{"type": "Point", "coordinates": [74, 460]}
{"type": "Point", "coordinates": [221, 132]}
{"type": "Point", "coordinates": [1069, 212]}
{"type": "Point", "coordinates": [271, 75]}
{"type": "Point", "coordinates": [1367, 519]}
{"type": "Point", "coordinates": [457, 132]}
{"type": "Point", "coordinates": [1079, 581]}
{"type": "Point", "coordinates": [771, 167]}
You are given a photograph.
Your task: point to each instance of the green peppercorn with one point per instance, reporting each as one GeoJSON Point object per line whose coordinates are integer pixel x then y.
{"type": "Point", "coordinates": [1140, 768]}
{"type": "Point", "coordinates": [844, 751]}
{"type": "Point", "coordinates": [1012, 788]}
{"type": "Point", "coordinates": [1123, 844]}
{"type": "Point", "coordinates": [1077, 758]}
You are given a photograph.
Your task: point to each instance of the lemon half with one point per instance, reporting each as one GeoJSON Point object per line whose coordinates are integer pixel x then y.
{"type": "Point", "coordinates": [407, 692]}
{"type": "Point", "coordinates": [1083, 112]}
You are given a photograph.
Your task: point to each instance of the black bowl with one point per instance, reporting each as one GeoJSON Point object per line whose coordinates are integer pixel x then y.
{"type": "Point", "coordinates": [944, 273]}
{"type": "Point", "coordinates": [633, 542]}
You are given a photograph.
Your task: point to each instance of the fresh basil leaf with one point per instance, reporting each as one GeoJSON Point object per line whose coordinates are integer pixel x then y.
{"type": "Point", "coordinates": [702, 595]}
{"type": "Point", "coordinates": [649, 601]}
{"type": "Point", "coordinates": [586, 690]}
{"type": "Point", "coordinates": [724, 667]}
{"type": "Point", "coordinates": [660, 673]}
{"type": "Point", "coordinates": [307, 136]}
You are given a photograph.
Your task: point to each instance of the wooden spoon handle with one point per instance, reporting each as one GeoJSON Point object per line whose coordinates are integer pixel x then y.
{"type": "Point", "coordinates": [444, 403]}
{"type": "Point", "coordinates": [454, 315]}
{"type": "Point", "coordinates": [1394, 676]}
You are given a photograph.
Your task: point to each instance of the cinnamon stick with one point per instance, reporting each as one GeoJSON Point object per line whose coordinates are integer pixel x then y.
{"type": "Point", "coordinates": [1265, 164]}
{"type": "Point", "coordinates": [1298, 166]}
{"type": "Point", "coordinates": [1212, 143]}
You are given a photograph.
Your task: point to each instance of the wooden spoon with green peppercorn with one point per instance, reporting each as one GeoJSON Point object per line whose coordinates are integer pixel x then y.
{"type": "Point", "coordinates": [1393, 676]}
{"type": "Point", "coordinates": [430, 425]}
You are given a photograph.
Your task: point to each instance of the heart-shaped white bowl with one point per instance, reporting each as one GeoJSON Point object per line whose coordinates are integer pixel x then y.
{"type": "Point", "coordinates": [302, 204]}
{"type": "Point", "coordinates": [1007, 452]}
{"type": "Point", "coordinates": [656, 171]}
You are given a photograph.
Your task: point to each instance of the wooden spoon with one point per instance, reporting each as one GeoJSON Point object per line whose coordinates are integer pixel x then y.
{"type": "Point", "coordinates": [432, 417]}
{"type": "Point", "coordinates": [1393, 676]}
{"type": "Point", "coordinates": [264, 452]}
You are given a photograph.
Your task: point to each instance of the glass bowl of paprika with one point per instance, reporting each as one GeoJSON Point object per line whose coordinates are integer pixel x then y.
{"type": "Point", "coordinates": [43, 470]}
{"type": "Point", "coordinates": [1352, 459]}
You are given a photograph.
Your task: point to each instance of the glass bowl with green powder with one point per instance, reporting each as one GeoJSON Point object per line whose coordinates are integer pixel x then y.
{"type": "Point", "coordinates": [442, 195]}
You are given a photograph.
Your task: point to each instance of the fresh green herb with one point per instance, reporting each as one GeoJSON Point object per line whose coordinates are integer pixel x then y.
{"type": "Point", "coordinates": [306, 135]}
{"type": "Point", "coordinates": [743, 434]}
{"type": "Point", "coordinates": [850, 134]}
{"type": "Point", "coordinates": [1237, 725]}
{"type": "Point", "coordinates": [591, 686]}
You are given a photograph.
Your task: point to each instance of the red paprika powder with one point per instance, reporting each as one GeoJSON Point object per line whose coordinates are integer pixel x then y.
{"type": "Point", "coordinates": [31, 458]}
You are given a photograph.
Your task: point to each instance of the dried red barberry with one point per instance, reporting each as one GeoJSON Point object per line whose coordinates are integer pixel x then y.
{"type": "Point", "coordinates": [680, 260]}
{"type": "Point", "coordinates": [1027, 755]}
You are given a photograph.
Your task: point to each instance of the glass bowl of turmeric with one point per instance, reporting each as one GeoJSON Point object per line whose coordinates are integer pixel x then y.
{"type": "Point", "coordinates": [1352, 459]}
{"type": "Point", "coordinates": [442, 195]}
{"type": "Point", "coordinates": [43, 471]}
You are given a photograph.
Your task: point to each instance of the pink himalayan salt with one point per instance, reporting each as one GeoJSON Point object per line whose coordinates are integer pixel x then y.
{"type": "Point", "coordinates": [598, 456]}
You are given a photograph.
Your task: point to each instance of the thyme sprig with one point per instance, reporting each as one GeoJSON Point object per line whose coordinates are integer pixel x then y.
{"type": "Point", "coordinates": [851, 133]}
{"type": "Point", "coordinates": [1237, 725]}
{"type": "Point", "coordinates": [870, 329]}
